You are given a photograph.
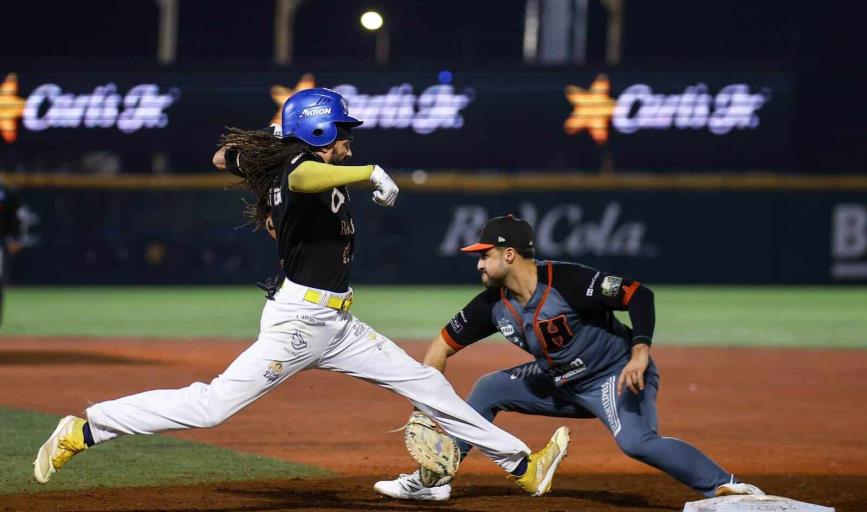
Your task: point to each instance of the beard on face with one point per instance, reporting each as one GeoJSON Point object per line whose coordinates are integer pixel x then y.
{"type": "Point", "coordinates": [490, 282]}
{"type": "Point", "coordinates": [338, 158]}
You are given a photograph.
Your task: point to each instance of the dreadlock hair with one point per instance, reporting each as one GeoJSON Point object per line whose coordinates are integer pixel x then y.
{"type": "Point", "coordinates": [263, 159]}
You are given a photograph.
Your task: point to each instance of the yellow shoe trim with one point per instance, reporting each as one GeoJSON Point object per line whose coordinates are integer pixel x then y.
{"type": "Point", "coordinates": [70, 444]}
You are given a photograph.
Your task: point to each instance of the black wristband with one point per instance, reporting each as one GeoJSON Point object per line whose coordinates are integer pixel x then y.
{"type": "Point", "coordinates": [231, 156]}
{"type": "Point", "coordinates": [641, 340]}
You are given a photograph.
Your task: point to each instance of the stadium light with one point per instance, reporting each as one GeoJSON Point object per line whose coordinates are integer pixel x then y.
{"type": "Point", "coordinates": [371, 20]}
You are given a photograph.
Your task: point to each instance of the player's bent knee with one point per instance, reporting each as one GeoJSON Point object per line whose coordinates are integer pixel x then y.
{"type": "Point", "coordinates": [487, 394]}
{"type": "Point", "coordinates": [490, 384]}
{"type": "Point", "coordinates": [633, 446]}
{"type": "Point", "coordinates": [213, 411]}
{"type": "Point", "coordinates": [212, 418]}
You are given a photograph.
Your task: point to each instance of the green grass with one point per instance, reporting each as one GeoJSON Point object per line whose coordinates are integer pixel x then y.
{"type": "Point", "coordinates": [686, 315]}
{"type": "Point", "coordinates": [136, 461]}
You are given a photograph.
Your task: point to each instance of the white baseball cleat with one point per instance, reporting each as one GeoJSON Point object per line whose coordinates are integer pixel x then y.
{"type": "Point", "coordinates": [409, 487]}
{"type": "Point", "coordinates": [739, 489]}
{"type": "Point", "coordinates": [66, 441]}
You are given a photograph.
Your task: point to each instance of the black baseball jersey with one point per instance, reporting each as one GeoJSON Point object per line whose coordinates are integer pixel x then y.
{"type": "Point", "coordinates": [568, 324]}
{"type": "Point", "coordinates": [315, 233]}
{"type": "Point", "coordinates": [10, 225]}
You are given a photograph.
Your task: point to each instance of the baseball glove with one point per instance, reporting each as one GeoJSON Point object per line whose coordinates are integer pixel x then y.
{"type": "Point", "coordinates": [436, 453]}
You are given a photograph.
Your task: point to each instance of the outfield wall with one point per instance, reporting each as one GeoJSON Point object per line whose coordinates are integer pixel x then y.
{"type": "Point", "coordinates": [669, 229]}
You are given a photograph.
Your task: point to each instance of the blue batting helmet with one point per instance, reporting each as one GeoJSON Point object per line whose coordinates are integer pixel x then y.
{"type": "Point", "coordinates": [312, 115]}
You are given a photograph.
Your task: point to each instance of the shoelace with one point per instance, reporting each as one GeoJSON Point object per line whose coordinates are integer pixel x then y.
{"type": "Point", "coordinates": [408, 482]}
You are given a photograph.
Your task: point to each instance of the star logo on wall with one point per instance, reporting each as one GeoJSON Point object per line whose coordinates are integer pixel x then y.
{"type": "Point", "coordinates": [281, 93]}
{"type": "Point", "coordinates": [592, 109]}
{"type": "Point", "coordinates": [11, 108]}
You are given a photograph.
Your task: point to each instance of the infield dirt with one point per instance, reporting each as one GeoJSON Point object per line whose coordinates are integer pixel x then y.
{"type": "Point", "coordinates": [787, 420]}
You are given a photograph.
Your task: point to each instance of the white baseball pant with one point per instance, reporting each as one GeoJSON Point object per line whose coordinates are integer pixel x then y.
{"type": "Point", "coordinates": [297, 335]}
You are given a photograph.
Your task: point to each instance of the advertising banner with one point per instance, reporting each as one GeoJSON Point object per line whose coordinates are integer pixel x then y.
{"type": "Point", "coordinates": [159, 121]}
{"type": "Point", "coordinates": [656, 236]}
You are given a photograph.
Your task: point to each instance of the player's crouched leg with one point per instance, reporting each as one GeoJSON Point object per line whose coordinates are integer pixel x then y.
{"type": "Point", "coordinates": [487, 395]}
{"type": "Point", "coordinates": [637, 446]}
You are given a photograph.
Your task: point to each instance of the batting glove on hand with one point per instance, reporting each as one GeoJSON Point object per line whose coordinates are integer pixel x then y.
{"type": "Point", "coordinates": [386, 190]}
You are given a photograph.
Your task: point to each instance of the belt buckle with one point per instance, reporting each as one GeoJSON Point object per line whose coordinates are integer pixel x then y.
{"type": "Point", "coordinates": [346, 303]}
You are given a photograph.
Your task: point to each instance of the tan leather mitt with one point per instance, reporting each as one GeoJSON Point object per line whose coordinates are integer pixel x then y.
{"type": "Point", "coordinates": [436, 453]}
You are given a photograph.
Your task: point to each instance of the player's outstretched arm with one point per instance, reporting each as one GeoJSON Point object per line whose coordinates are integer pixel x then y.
{"type": "Point", "coordinates": [437, 353]}
{"type": "Point", "coordinates": [312, 177]}
{"type": "Point", "coordinates": [228, 158]}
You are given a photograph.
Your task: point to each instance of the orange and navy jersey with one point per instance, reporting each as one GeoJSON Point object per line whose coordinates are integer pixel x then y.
{"type": "Point", "coordinates": [567, 323]}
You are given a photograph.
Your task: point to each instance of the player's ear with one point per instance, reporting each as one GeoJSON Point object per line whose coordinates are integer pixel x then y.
{"type": "Point", "coordinates": [325, 151]}
{"type": "Point", "coordinates": [509, 255]}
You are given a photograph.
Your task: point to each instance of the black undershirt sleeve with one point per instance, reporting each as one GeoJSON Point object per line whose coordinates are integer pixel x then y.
{"type": "Point", "coordinates": [642, 315]}
{"type": "Point", "coordinates": [231, 157]}
{"type": "Point", "coordinates": [473, 323]}
{"type": "Point", "coordinates": [589, 290]}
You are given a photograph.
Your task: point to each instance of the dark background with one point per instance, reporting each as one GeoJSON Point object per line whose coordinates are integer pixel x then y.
{"type": "Point", "coordinates": [820, 45]}
{"type": "Point", "coordinates": [809, 55]}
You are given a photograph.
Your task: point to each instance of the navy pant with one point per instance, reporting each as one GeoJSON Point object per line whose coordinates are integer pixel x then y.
{"type": "Point", "coordinates": [630, 418]}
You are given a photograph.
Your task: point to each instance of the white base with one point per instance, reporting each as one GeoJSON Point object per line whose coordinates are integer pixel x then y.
{"type": "Point", "coordinates": [752, 504]}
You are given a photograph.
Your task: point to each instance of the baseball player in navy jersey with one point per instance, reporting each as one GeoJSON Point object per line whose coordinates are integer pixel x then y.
{"type": "Point", "coordinates": [300, 180]}
{"type": "Point", "coordinates": [585, 359]}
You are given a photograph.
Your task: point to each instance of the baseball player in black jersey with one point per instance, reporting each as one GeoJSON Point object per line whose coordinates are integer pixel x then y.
{"type": "Point", "coordinates": [300, 180]}
{"type": "Point", "coordinates": [10, 235]}
{"type": "Point", "coordinates": [562, 314]}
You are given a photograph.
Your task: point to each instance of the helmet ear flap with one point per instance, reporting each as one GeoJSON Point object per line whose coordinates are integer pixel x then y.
{"type": "Point", "coordinates": [323, 134]}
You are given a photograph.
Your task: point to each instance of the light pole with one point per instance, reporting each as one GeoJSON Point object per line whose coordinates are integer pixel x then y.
{"type": "Point", "coordinates": [372, 21]}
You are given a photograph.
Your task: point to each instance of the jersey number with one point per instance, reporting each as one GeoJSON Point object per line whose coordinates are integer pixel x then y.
{"type": "Point", "coordinates": [337, 200]}
{"type": "Point", "coordinates": [555, 331]}
{"type": "Point", "coordinates": [275, 198]}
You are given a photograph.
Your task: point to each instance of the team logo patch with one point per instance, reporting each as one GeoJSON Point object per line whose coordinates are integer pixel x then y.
{"type": "Point", "coordinates": [506, 327]}
{"type": "Point", "coordinates": [358, 329]}
{"type": "Point", "coordinates": [459, 321]}
{"type": "Point", "coordinates": [555, 331]}
{"type": "Point", "coordinates": [298, 341]}
{"type": "Point", "coordinates": [275, 368]}
{"type": "Point", "coordinates": [373, 337]}
{"type": "Point", "coordinates": [611, 286]}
